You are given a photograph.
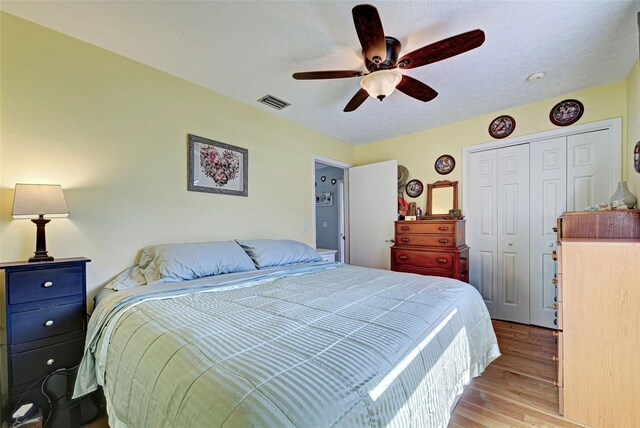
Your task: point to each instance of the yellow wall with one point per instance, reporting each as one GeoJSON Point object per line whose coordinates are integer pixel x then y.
{"type": "Point", "coordinates": [633, 126]}
{"type": "Point", "coordinates": [113, 132]}
{"type": "Point", "coordinates": [419, 151]}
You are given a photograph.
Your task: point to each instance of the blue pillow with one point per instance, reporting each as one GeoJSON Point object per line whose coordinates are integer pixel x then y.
{"type": "Point", "coordinates": [272, 252]}
{"type": "Point", "coordinates": [183, 262]}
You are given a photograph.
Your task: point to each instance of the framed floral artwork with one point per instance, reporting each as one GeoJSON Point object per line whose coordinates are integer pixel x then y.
{"type": "Point", "coordinates": [444, 164]}
{"type": "Point", "coordinates": [566, 112]}
{"type": "Point", "coordinates": [215, 167]}
{"type": "Point", "coordinates": [502, 126]}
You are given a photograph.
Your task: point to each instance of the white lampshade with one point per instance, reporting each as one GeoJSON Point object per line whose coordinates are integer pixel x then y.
{"type": "Point", "coordinates": [380, 84]}
{"type": "Point", "coordinates": [32, 200]}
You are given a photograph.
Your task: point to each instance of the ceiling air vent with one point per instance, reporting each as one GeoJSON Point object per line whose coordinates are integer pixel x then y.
{"type": "Point", "coordinates": [274, 102]}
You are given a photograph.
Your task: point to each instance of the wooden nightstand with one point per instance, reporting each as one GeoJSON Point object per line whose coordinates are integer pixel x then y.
{"type": "Point", "coordinates": [46, 323]}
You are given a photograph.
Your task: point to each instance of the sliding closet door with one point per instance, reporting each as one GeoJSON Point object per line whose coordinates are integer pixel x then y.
{"type": "Point", "coordinates": [483, 226]}
{"type": "Point", "coordinates": [548, 190]}
{"type": "Point", "coordinates": [513, 233]}
{"type": "Point", "coordinates": [589, 175]}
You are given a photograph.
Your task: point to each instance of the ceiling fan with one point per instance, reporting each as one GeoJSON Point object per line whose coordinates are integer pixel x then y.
{"type": "Point", "coordinates": [381, 54]}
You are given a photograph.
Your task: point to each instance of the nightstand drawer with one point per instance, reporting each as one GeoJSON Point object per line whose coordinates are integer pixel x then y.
{"type": "Point", "coordinates": [32, 365]}
{"type": "Point", "coordinates": [41, 284]}
{"type": "Point", "coordinates": [41, 323]}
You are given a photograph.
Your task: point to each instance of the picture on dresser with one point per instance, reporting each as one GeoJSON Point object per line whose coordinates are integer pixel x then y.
{"type": "Point", "coordinates": [215, 167]}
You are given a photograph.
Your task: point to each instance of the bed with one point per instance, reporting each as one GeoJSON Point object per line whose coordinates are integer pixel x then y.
{"type": "Point", "coordinates": [308, 345]}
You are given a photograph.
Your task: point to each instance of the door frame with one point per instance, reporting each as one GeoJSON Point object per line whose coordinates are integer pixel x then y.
{"type": "Point", "coordinates": [345, 203]}
{"type": "Point", "coordinates": [614, 125]}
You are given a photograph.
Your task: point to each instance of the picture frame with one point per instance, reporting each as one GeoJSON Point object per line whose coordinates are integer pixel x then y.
{"type": "Point", "coordinates": [414, 188]}
{"type": "Point", "coordinates": [324, 199]}
{"type": "Point", "coordinates": [566, 112]}
{"type": "Point", "coordinates": [502, 126]}
{"type": "Point", "coordinates": [444, 164]}
{"type": "Point", "coordinates": [636, 157]}
{"type": "Point", "coordinates": [215, 167]}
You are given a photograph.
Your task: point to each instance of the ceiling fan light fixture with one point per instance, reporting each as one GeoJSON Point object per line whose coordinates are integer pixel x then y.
{"type": "Point", "coordinates": [381, 84]}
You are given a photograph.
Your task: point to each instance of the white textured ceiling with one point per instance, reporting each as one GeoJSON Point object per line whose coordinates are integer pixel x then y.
{"type": "Point", "coordinates": [246, 49]}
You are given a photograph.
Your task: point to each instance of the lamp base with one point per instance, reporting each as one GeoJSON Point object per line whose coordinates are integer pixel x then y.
{"type": "Point", "coordinates": [40, 258]}
{"type": "Point", "coordinates": [41, 243]}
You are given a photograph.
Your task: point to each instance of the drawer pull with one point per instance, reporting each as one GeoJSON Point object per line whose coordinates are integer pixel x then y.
{"type": "Point", "coordinates": [555, 334]}
{"type": "Point", "coordinates": [48, 323]}
{"type": "Point", "coordinates": [48, 284]}
{"type": "Point", "coordinates": [405, 240]}
{"type": "Point", "coordinates": [404, 228]}
{"type": "Point", "coordinates": [554, 255]}
{"type": "Point", "coordinates": [444, 241]}
{"type": "Point", "coordinates": [442, 260]}
{"type": "Point", "coordinates": [50, 362]}
{"type": "Point", "coordinates": [403, 257]}
{"type": "Point", "coordinates": [554, 281]}
{"type": "Point", "coordinates": [554, 306]}
{"type": "Point", "coordinates": [555, 358]}
{"type": "Point", "coordinates": [443, 228]}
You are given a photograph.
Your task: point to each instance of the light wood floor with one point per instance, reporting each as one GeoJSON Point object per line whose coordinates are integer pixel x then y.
{"type": "Point", "coordinates": [516, 390]}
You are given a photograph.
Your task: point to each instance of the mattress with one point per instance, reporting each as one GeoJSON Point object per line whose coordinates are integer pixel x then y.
{"type": "Point", "coordinates": [305, 346]}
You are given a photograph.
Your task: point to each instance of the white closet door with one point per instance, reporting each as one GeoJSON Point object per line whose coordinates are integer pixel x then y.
{"type": "Point", "coordinates": [483, 226]}
{"type": "Point", "coordinates": [589, 174]}
{"type": "Point", "coordinates": [548, 201]}
{"type": "Point", "coordinates": [513, 233]}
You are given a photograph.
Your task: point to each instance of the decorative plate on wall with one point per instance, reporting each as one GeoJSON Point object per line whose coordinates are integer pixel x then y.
{"type": "Point", "coordinates": [444, 164]}
{"type": "Point", "coordinates": [566, 112]}
{"type": "Point", "coordinates": [502, 126]}
{"type": "Point", "coordinates": [414, 188]}
{"type": "Point", "coordinates": [636, 157]}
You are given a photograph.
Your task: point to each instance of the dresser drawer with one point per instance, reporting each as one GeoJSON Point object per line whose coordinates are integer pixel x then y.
{"type": "Point", "coordinates": [31, 365]}
{"type": "Point", "coordinates": [41, 284]}
{"type": "Point", "coordinates": [426, 227]}
{"type": "Point", "coordinates": [424, 259]}
{"type": "Point", "coordinates": [428, 240]}
{"type": "Point", "coordinates": [41, 323]}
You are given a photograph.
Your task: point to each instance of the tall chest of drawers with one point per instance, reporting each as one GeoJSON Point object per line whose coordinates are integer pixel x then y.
{"type": "Point", "coordinates": [431, 247]}
{"type": "Point", "coordinates": [45, 323]}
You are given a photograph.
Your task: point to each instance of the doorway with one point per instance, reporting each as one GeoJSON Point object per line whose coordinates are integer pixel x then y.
{"type": "Point", "coordinates": [330, 206]}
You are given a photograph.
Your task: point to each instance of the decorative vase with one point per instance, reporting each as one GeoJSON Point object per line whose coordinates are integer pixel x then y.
{"type": "Point", "coordinates": [623, 194]}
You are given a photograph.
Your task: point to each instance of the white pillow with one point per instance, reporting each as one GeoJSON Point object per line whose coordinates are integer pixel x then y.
{"type": "Point", "coordinates": [182, 262]}
{"type": "Point", "coordinates": [272, 252]}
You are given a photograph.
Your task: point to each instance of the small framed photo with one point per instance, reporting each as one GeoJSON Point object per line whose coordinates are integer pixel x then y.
{"type": "Point", "coordinates": [502, 126]}
{"type": "Point", "coordinates": [215, 167]}
{"type": "Point", "coordinates": [566, 112]}
{"type": "Point", "coordinates": [324, 199]}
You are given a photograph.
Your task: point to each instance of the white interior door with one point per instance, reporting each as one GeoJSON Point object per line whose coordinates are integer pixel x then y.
{"type": "Point", "coordinates": [590, 178]}
{"type": "Point", "coordinates": [483, 226]}
{"type": "Point", "coordinates": [548, 188]}
{"type": "Point", "coordinates": [513, 233]}
{"type": "Point", "coordinates": [373, 208]}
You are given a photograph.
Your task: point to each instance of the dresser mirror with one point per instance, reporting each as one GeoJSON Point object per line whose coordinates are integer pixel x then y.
{"type": "Point", "coordinates": [442, 196]}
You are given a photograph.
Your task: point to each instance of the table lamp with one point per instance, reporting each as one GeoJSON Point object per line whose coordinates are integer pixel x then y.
{"type": "Point", "coordinates": [39, 200]}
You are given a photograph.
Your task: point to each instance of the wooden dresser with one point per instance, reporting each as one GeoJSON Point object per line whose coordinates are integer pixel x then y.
{"type": "Point", "coordinates": [431, 247]}
{"type": "Point", "coordinates": [598, 318]}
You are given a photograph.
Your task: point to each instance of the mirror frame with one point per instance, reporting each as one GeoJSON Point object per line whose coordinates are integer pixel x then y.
{"type": "Point", "coordinates": [438, 185]}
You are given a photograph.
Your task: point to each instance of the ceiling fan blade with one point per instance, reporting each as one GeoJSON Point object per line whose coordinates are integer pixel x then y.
{"type": "Point", "coordinates": [357, 99]}
{"type": "Point", "coordinates": [416, 89]}
{"type": "Point", "coordinates": [443, 49]}
{"type": "Point", "coordinates": [370, 32]}
{"type": "Point", "coordinates": [337, 74]}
